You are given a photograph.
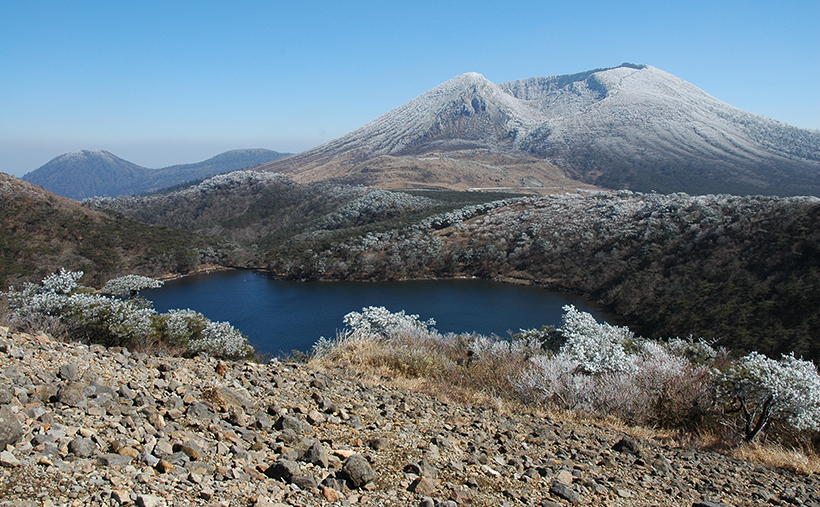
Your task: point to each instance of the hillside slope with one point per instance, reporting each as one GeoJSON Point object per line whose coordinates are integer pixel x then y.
{"type": "Point", "coordinates": [98, 426]}
{"type": "Point", "coordinates": [85, 173]}
{"type": "Point", "coordinates": [632, 126]}
{"type": "Point", "coordinates": [41, 232]}
{"type": "Point", "coordinates": [742, 270]}
{"type": "Point", "coordinates": [271, 215]}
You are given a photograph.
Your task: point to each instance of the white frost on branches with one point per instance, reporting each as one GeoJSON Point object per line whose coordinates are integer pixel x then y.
{"type": "Point", "coordinates": [107, 319]}
{"type": "Point", "coordinates": [595, 347]}
{"type": "Point", "coordinates": [220, 339]}
{"type": "Point", "coordinates": [130, 285]}
{"type": "Point", "coordinates": [766, 390]}
{"type": "Point", "coordinates": [379, 320]}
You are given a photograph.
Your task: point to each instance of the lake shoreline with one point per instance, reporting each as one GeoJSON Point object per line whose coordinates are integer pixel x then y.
{"type": "Point", "coordinates": [284, 315]}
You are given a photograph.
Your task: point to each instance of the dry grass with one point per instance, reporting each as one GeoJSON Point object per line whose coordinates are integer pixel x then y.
{"type": "Point", "coordinates": [796, 460]}
{"type": "Point", "coordinates": [441, 368]}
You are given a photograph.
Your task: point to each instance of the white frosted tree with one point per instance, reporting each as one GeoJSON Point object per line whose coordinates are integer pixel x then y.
{"type": "Point", "coordinates": [764, 390]}
{"type": "Point", "coordinates": [130, 285]}
{"type": "Point", "coordinates": [597, 347]}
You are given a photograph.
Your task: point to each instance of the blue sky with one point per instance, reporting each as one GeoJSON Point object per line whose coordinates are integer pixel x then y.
{"type": "Point", "coordinates": [162, 83]}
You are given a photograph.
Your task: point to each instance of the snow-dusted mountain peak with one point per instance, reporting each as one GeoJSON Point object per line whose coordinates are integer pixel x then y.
{"type": "Point", "coordinates": [631, 126]}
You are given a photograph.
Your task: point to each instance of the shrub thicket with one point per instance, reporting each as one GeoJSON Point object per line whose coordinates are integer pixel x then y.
{"type": "Point", "coordinates": [594, 368]}
{"type": "Point", "coordinates": [60, 305]}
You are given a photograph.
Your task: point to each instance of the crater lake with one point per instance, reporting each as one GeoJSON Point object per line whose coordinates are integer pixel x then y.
{"type": "Point", "coordinates": [280, 317]}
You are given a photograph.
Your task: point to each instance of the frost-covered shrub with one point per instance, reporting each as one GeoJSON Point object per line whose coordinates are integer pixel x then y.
{"type": "Point", "coordinates": [220, 339]}
{"type": "Point", "coordinates": [699, 352]}
{"type": "Point", "coordinates": [61, 304]}
{"type": "Point", "coordinates": [61, 283]}
{"type": "Point", "coordinates": [597, 347]}
{"type": "Point", "coordinates": [179, 326]}
{"type": "Point", "coordinates": [49, 297]}
{"type": "Point", "coordinates": [130, 285]}
{"type": "Point", "coordinates": [541, 340]}
{"type": "Point", "coordinates": [399, 342]}
{"type": "Point", "coordinates": [604, 370]}
{"type": "Point", "coordinates": [764, 390]}
{"type": "Point", "coordinates": [109, 321]}
{"type": "Point", "coordinates": [379, 320]}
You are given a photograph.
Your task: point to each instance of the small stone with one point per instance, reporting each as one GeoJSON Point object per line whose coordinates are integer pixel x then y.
{"type": "Point", "coordinates": [8, 460]}
{"type": "Point", "coordinates": [357, 469]}
{"type": "Point", "coordinates": [288, 422]}
{"type": "Point", "coordinates": [207, 493]}
{"type": "Point", "coordinates": [82, 447]}
{"type": "Point", "coordinates": [264, 501]}
{"type": "Point", "coordinates": [189, 448]}
{"type": "Point", "coordinates": [305, 482]}
{"type": "Point", "coordinates": [164, 447]}
{"type": "Point", "coordinates": [129, 451]}
{"type": "Point", "coordinates": [121, 496]}
{"type": "Point", "coordinates": [283, 469]}
{"type": "Point", "coordinates": [461, 496]}
{"type": "Point", "coordinates": [199, 411]}
{"type": "Point", "coordinates": [10, 429]}
{"type": "Point", "coordinates": [114, 460]}
{"type": "Point", "coordinates": [149, 501]}
{"type": "Point", "coordinates": [628, 446]}
{"type": "Point", "coordinates": [565, 492]}
{"type": "Point", "coordinates": [625, 493]}
{"type": "Point", "coordinates": [164, 467]}
{"type": "Point", "coordinates": [330, 494]}
{"type": "Point", "coordinates": [315, 417]}
{"type": "Point", "coordinates": [69, 372]}
{"type": "Point", "coordinates": [238, 417]}
{"type": "Point", "coordinates": [424, 486]}
{"type": "Point", "coordinates": [72, 394]}
{"type": "Point", "coordinates": [565, 477]}
{"type": "Point", "coordinates": [316, 454]}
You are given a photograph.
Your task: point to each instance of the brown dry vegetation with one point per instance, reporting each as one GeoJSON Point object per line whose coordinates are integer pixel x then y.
{"type": "Point", "coordinates": [451, 170]}
{"type": "Point", "coordinates": [41, 232]}
{"type": "Point", "coordinates": [441, 368]}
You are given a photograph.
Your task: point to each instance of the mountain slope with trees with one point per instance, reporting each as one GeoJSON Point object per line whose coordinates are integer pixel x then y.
{"type": "Point", "coordinates": [743, 270]}
{"type": "Point", "coordinates": [41, 232]}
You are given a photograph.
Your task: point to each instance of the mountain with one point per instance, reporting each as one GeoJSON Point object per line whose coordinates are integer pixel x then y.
{"type": "Point", "coordinates": [82, 174]}
{"type": "Point", "coordinates": [41, 232]}
{"type": "Point", "coordinates": [632, 126]}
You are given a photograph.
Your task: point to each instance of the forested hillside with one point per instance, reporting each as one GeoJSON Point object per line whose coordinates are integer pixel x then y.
{"type": "Point", "coordinates": [41, 232]}
{"type": "Point", "coordinates": [273, 217]}
{"type": "Point", "coordinates": [743, 270]}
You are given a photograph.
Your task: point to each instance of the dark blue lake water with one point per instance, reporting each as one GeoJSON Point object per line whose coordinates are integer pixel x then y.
{"type": "Point", "coordinates": [280, 316]}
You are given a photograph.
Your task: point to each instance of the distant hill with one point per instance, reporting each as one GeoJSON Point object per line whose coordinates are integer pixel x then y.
{"type": "Point", "coordinates": [82, 174]}
{"type": "Point", "coordinates": [41, 232]}
{"type": "Point", "coordinates": [632, 126]}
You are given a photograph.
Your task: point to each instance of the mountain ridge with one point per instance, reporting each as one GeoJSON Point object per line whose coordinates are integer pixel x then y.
{"type": "Point", "coordinates": [86, 173]}
{"type": "Point", "coordinates": [631, 126]}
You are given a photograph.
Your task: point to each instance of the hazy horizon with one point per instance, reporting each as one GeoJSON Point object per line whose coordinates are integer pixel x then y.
{"type": "Point", "coordinates": [163, 84]}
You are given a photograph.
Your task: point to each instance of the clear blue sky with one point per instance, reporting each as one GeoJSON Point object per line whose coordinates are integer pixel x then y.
{"type": "Point", "coordinates": [162, 83]}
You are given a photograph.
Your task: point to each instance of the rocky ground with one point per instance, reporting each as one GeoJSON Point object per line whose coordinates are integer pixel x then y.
{"type": "Point", "coordinates": [84, 425]}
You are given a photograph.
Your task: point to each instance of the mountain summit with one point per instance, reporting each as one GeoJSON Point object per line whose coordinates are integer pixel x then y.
{"type": "Point", "coordinates": [631, 126]}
